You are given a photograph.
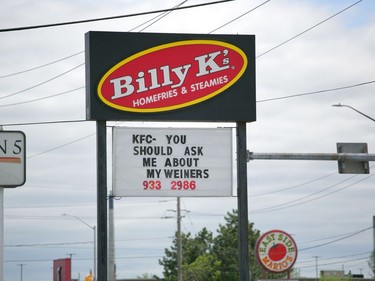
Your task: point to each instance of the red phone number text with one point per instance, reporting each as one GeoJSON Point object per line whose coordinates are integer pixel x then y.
{"type": "Point", "coordinates": [174, 185]}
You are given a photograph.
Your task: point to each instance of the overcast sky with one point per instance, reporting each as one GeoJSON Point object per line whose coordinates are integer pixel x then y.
{"type": "Point", "coordinates": [328, 214]}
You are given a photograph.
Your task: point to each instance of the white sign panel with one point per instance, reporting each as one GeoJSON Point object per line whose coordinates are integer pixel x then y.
{"type": "Point", "coordinates": [172, 162]}
{"type": "Point", "coordinates": [12, 158]}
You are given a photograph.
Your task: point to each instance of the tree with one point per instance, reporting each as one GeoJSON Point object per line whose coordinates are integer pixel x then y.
{"type": "Point", "coordinates": [146, 276]}
{"type": "Point", "coordinates": [211, 258]}
{"type": "Point", "coordinates": [192, 249]}
{"type": "Point", "coordinates": [205, 267]}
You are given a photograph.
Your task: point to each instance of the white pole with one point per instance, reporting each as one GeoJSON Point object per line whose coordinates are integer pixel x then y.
{"type": "Point", "coordinates": [179, 242]}
{"type": "Point", "coordinates": [111, 241]}
{"type": "Point", "coordinates": [1, 233]}
{"type": "Point", "coordinates": [94, 273]}
{"type": "Point", "coordinates": [1, 229]}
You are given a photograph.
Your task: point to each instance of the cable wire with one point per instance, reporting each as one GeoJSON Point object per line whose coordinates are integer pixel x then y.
{"type": "Point", "coordinates": [41, 66]}
{"type": "Point", "coordinates": [162, 16]}
{"type": "Point", "coordinates": [111, 18]}
{"type": "Point", "coordinates": [240, 16]}
{"type": "Point", "coordinates": [336, 240]}
{"type": "Point", "coordinates": [42, 83]}
{"type": "Point", "coordinates": [303, 32]}
{"type": "Point", "coordinates": [60, 146]}
{"type": "Point", "coordinates": [285, 205]}
{"type": "Point", "coordinates": [317, 92]}
{"type": "Point", "coordinates": [158, 17]}
{"type": "Point", "coordinates": [43, 98]}
{"type": "Point", "coordinates": [293, 186]}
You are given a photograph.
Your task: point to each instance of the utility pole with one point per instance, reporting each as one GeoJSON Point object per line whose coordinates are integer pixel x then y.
{"type": "Point", "coordinates": [94, 241]}
{"type": "Point", "coordinates": [316, 267]}
{"type": "Point", "coordinates": [178, 238]}
{"type": "Point", "coordinates": [373, 245]}
{"type": "Point", "coordinates": [179, 242]}
{"type": "Point", "coordinates": [111, 241]}
{"type": "Point", "coordinates": [21, 265]}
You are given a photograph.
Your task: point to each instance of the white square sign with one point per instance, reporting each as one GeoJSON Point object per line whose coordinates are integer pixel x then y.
{"type": "Point", "coordinates": [12, 158]}
{"type": "Point", "coordinates": [172, 162]}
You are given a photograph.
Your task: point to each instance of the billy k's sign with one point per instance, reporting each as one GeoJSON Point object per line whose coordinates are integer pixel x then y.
{"type": "Point", "coordinates": [180, 77]}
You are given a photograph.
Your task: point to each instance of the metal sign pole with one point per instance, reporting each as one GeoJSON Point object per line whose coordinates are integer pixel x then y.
{"type": "Point", "coordinates": [243, 221]}
{"type": "Point", "coordinates": [1, 229]}
{"type": "Point", "coordinates": [101, 164]}
{"type": "Point", "coordinates": [1, 233]}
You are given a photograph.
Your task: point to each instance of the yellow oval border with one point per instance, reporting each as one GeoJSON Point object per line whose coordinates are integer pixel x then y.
{"type": "Point", "coordinates": [165, 46]}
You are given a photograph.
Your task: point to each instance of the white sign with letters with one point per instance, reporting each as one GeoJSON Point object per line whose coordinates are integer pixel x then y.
{"type": "Point", "coordinates": [172, 162]}
{"type": "Point", "coordinates": [12, 158]}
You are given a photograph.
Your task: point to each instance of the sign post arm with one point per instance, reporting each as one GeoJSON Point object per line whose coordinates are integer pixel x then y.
{"type": "Point", "coordinates": [243, 221]}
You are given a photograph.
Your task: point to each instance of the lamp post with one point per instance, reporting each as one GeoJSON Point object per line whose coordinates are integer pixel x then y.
{"type": "Point", "coordinates": [343, 105]}
{"type": "Point", "coordinates": [94, 230]}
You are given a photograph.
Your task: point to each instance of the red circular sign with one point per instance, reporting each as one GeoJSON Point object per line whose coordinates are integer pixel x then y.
{"type": "Point", "coordinates": [276, 251]}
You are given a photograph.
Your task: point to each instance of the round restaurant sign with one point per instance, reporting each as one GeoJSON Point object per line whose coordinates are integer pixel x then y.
{"type": "Point", "coordinates": [276, 251]}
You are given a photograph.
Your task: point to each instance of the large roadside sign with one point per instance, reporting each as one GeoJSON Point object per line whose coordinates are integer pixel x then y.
{"type": "Point", "coordinates": [165, 76]}
{"type": "Point", "coordinates": [12, 158]}
{"type": "Point", "coordinates": [181, 162]}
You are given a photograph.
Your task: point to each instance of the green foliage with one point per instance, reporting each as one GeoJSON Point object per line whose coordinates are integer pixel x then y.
{"type": "Point", "coordinates": [205, 267]}
{"type": "Point", "coordinates": [146, 276]}
{"type": "Point", "coordinates": [209, 258]}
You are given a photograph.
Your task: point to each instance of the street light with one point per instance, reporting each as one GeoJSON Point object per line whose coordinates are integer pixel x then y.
{"type": "Point", "coordinates": [94, 230]}
{"type": "Point", "coordinates": [343, 105]}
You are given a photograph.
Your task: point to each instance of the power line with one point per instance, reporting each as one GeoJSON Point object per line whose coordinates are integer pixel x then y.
{"type": "Point", "coordinates": [111, 18]}
{"type": "Point", "coordinates": [337, 262]}
{"type": "Point", "coordinates": [286, 205]}
{"type": "Point", "coordinates": [332, 258]}
{"type": "Point", "coordinates": [293, 186]}
{"type": "Point", "coordinates": [45, 123]}
{"type": "Point", "coordinates": [162, 16]}
{"type": "Point", "coordinates": [240, 16]}
{"type": "Point", "coordinates": [46, 244]}
{"type": "Point", "coordinates": [42, 83]}
{"type": "Point", "coordinates": [336, 240]}
{"type": "Point", "coordinates": [303, 32]}
{"type": "Point", "coordinates": [60, 146]}
{"type": "Point", "coordinates": [158, 17]}
{"type": "Point", "coordinates": [41, 66]}
{"type": "Point", "coordinates": [43, 98]}
{"type": "Point", "coordinates": [318, 92]}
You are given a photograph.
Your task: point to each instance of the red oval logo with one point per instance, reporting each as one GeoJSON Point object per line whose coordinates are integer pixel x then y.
{"type": "Point", "coordinates": [172, 76]}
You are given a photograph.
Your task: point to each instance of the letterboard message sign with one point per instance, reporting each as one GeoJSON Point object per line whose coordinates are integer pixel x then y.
{"type": "Point", "coordinates": [172, 162]}
{"type": "Point", "coordinates": [164, 77]}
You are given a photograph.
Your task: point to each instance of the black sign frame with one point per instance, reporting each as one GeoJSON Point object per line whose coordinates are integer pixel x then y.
{"type": "Point", "coordinates": [106, 49]}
